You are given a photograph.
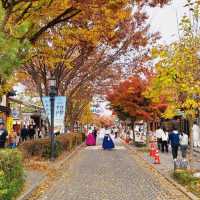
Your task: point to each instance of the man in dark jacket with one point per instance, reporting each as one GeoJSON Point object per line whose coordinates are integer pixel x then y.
{"type": "Point", "coordinates": [3, 135]}
{"type": "Point", "coordinates": [31, 132]}
{"type": "Point", "coordinates": [24, 133]}
{"type": "Point", "coordinates": [94, 132]}
{"type": "Point", "coordinates": [175, 142]}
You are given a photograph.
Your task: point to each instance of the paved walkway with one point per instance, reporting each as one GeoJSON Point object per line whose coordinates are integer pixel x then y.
{"type": "Point", "coordinates": [96, 174]}
{"type": "Point", "coordinates": [166, 166]}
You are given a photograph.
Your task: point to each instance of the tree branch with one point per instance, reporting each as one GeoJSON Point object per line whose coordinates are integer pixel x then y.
{"type": "Point", "coordinates": [70, 11]}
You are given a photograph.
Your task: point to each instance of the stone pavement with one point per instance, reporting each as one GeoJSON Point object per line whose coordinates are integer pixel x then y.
{"type": "Point", "coordinates": [166, 166]}
{"type": "Point", "coordinates": [96, 174]}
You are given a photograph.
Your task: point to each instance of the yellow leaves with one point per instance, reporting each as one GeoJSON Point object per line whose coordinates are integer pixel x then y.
{"type": "Point", "coordinates": [170, 112]}
{"type": "Point", "coordinates": [7, 86]}
{"type": "Point", "coordinates": [190, 104]}
{"type": "Point", "coordinates": [177, 73]}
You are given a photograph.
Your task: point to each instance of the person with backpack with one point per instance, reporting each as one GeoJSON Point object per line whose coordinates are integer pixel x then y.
{"type": "Point", "coordinates": [174, 140]}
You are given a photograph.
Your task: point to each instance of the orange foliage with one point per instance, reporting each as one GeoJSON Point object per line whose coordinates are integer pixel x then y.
{"type": "Point", "coordinates": [128, 101]}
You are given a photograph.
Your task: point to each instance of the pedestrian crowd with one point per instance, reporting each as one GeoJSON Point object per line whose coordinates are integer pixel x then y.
{"type": "Point", "coordinates": [13, 139]}
{"type": "Point", "coordinates": [173, 137]}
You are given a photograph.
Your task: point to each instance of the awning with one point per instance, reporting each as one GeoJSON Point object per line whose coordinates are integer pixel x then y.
{"type": "Point", "coordinates": [25, 103]}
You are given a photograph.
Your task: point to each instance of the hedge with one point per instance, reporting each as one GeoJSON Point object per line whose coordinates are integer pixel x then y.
{"type": "Point", "coordinates": [11, 174]}
{"type": "Point", "coordinates": [41, 147]}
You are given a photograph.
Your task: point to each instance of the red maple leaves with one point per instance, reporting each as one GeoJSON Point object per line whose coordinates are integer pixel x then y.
{"type": "Point", "coordinates": [128, 100]}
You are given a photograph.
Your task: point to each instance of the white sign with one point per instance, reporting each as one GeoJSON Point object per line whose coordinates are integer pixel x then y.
{"type": "Point", "coordinates": [140, 132]}
{"type": "Point", "coordinates": [59, 111]}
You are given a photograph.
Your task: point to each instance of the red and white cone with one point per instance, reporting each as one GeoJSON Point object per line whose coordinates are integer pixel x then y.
{"type": "Point", "coordinates": [157, 158]}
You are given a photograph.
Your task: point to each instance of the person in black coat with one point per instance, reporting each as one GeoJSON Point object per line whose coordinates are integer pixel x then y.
{"type": "Point", "coordinates": [24, 133]}
{"type": "Point", "coordinates": [31, 132]}
{"type": "Point", "coordinates": [3, 135]}
{"type": "Point", "coordinates": [94, 132]}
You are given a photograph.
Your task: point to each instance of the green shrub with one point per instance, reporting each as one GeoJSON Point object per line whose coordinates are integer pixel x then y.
{"type": "Point", "coordinates": [187, 179]}
{"type": "Point", "coordinates": [46, 153]}
{"type": "Point", "coordinates": [42, 148]}
{"type": "Point", "coordinates": [184, 177]}
{"type": "Point", "coordinates": [11, 174]}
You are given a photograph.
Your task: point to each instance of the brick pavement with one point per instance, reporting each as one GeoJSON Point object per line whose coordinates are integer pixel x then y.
{"type": "Point", "coordinates": [95, 174]}
{"type": "Point", "coordinates": [167, 165]}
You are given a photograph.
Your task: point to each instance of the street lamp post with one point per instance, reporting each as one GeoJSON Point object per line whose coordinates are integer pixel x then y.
{"type": "Point", "coordinates": [52, 94]}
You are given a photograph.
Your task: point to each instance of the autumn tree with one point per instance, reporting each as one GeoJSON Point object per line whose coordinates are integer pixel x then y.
{"type": "Point", "coordinates": [178, 69]}
{"type": "Point", "coordinates": [128, 100]}
{"type": "Point", "coordinates": [19, 28]}
{"type": "Point", "coordinates": [85, 51]}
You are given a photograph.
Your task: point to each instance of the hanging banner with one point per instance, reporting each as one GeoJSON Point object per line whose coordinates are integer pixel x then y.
{"type": "Point", "coordinates": [47, 107]}
{"type": "Point", "coordinates": [9, 125]}
{"type": "Point", "coordinates": [59, 114]}
{"type": "Point", "coordinates": [59, 111]}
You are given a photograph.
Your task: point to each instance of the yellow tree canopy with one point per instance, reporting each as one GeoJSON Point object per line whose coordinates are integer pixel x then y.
{"type": "Point", "coordinates": [177, 76]}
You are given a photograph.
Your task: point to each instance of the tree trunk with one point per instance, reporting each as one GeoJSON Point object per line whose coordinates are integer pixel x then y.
{"type": "Point", "coordinates": [133, 128]}
{"type": "Point", "coordinates": [148, 129]}
{"type": "Point", "coordinates": [190, 120]}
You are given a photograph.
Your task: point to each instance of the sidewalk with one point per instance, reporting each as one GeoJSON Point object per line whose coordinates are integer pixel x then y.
{"type": "Point", "coordinates": [166, 166]}
{"type": "Point", "coordinates": [32, 179]}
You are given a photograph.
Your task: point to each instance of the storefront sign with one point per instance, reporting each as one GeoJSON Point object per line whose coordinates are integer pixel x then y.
{"type": "Point", "coordinates": [140, 132]}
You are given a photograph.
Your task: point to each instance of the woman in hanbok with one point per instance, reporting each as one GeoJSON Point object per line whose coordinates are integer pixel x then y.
{"type": "Point", "coordinates": [90, 141]}
{"type": "Point", "coordinates": [108, 142]}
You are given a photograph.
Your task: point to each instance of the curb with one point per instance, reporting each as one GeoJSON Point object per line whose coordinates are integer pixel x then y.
{"type": "Point", "coordinates": [28, 194]}
{"type": "Point", "coordinates": [178, 186]}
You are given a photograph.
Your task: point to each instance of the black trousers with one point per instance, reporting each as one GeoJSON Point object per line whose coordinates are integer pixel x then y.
{"type": "Point", "coordinates": [2, 144]}
{"type": "Point", "coordinates": [164, 146]}
{"type": "Point", "coordinates": [175, 151]}
{"type": "Point", "coordinates": [159, 143]}
{"type": "Point", "coordinates": [24, 138]}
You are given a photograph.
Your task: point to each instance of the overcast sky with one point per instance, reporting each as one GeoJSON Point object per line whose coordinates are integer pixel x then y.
{"type": "Point", "coordinates": [164, 19]}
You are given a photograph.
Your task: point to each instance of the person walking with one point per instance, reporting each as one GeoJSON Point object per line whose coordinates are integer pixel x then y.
{"type": "Point", "coordinates": [165, 138]}
{"type": "Point", "coordinates": [108, 143]}
{"type": "Point", "coordinates": [174, 141]}
{"type": "Point", "coordinates": [196, 135]}
{"type": "Point", "coordinates": [31, 132]}
{"type": "Point", "coordinates": [12, 140]}
{"type": "Point", "coordinates": [183, 145]}
{"type": "Point", "coordinates": [3, 135]}
{"type": "Point", "coordinates": [116, 132]}
{"type": "Point", "coordinates": [94, 132]}
{"type": "Point", "coordinates": [24, 133]}
{"type": "Point", "coordinates": [159, 133]}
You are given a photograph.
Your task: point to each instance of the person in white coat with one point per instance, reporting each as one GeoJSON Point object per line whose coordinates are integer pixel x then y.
{"type": "Point", "coordinates": [196, 135]}
{"type": "Point", "coordinates": [165, 138]}
{"type": "Point", "coordinates": [183, 144]}
{"type": "Point", "coordinates": [159, 133]}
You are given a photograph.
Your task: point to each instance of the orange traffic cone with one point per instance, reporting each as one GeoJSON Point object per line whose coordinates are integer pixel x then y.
{"type": "Point", "coordinates": [157, 158]}
{"type": "Point", "coordinates": [152, 150]}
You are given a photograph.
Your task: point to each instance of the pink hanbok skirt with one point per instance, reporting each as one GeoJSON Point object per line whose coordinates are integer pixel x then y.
{"type": "Point", "coordinates": [90, 141]}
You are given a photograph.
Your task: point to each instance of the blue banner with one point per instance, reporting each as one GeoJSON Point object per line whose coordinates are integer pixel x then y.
{"type": "Point", "coordinates": [59, 111]}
